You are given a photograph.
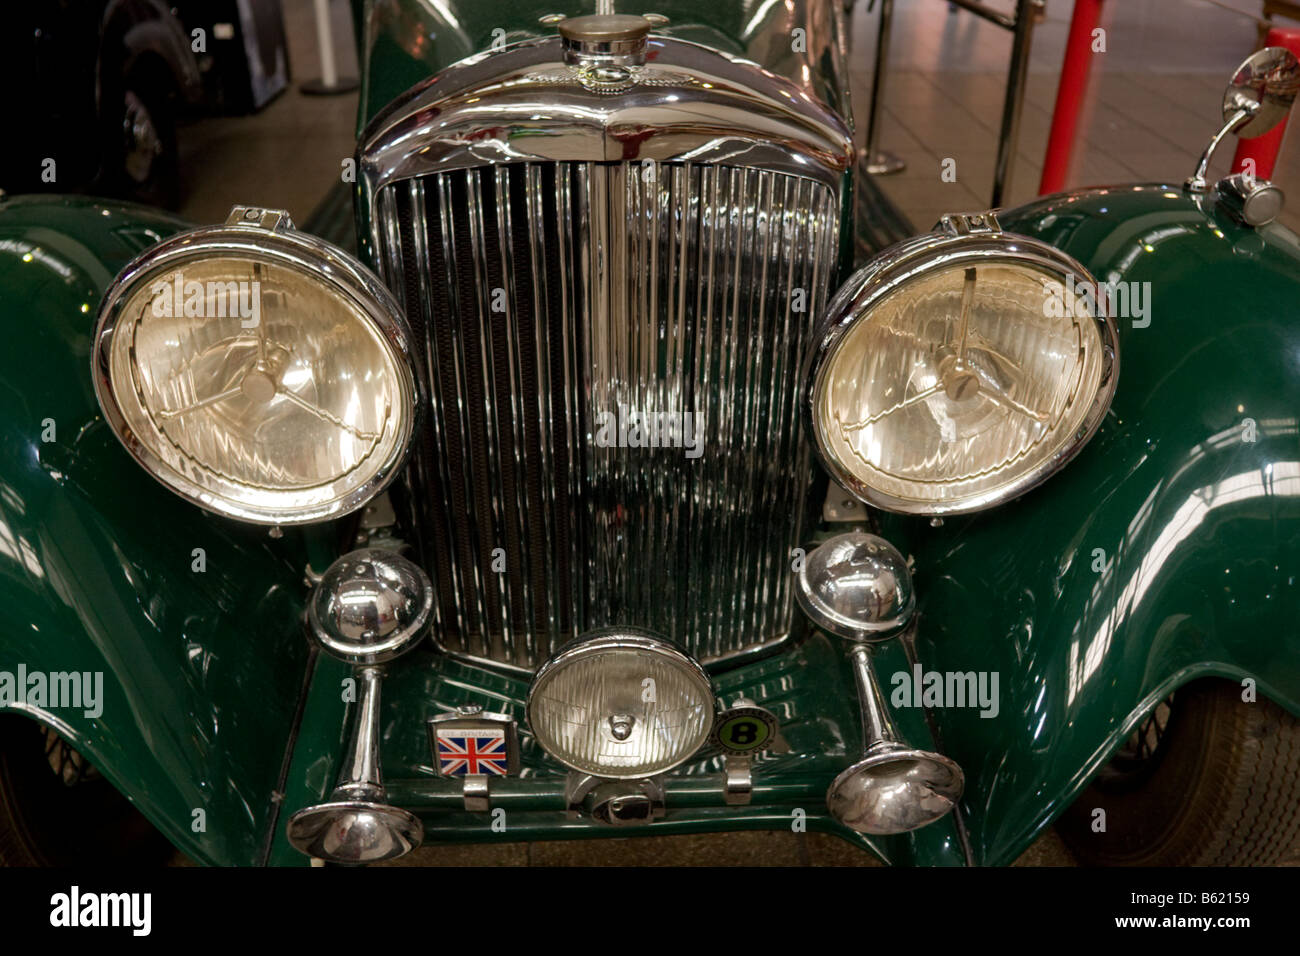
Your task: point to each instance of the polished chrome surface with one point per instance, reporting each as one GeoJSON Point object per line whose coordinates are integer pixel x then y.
{"type": "Point", "coordinates": [476, 793]}
{"type": "Point", "coordinates": [1250, 201]}
{"type": "Point", "coordinates": [356, 825]}
{"type": "Point", "coordinates": [525, 104]}
{"type": "Point", "coordinates": [660, 288]}
{"type": "Point", "coordinates": [1258, 97]}
{"type": "Point", "coordinates": [261, 235]}
{"type": "Point", "coordinates": [965, 223]}
{"type": "Point", "coordinates": [857, 586]}
{"type": "Point", "coordinates": [893, 788]}
{"type": "Point", "coordinates": [623, 803]}
{"type": "Point", "coordinates": [1264, 86]}
{"type": "Point", "coordinates": [370, 606]}
{"type": "Point", "coordinates": [355, 832]}
{"type": "Point", "coordinates": [738, 788]}
{"type": "Point", "coordinates": [605, 39]}
{"type": "Point", "coordinates": [661, 234]}
{"type": "Point", "coordinates": [969, 239]}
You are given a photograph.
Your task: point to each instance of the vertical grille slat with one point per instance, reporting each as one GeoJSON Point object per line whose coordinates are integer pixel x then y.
{"type": "Point", "coordinates": [656, 288]}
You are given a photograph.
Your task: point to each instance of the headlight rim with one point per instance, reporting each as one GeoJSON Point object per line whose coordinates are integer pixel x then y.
{"type": "Point", "coordinates": [621, 636]}
{"type": "Point", "coordinates": [907, 261]}
{"type": "Point", "coordinates": [286, 247]}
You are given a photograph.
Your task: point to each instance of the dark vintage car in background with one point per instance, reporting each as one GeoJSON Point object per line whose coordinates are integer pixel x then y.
{"type": "Point", "coordinates": [659, 475]}
{"type": "Point", "coordinates": [100, 87]}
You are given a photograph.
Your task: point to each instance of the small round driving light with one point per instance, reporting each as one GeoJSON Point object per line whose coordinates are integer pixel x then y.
{"type": "Point", "coordinates": [621, 703]}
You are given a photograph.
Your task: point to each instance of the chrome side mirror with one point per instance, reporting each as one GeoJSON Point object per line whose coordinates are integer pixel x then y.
{"type": "Point", "coordinates": [1264, 87]}
{"type": "Point", "coordinates": [1258, 97]}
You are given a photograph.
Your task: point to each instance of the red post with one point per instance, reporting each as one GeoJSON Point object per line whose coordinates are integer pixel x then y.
{"type": "Point", "coordinates": [1070, 95]}
{"type": "Point", "coordinates": [1264, 149]}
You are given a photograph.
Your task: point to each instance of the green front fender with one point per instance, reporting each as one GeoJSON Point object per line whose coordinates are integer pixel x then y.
{"type": "Point", "coordinates": [1168, 550]}
{"type": "Point", "coordinates": [201, 669]}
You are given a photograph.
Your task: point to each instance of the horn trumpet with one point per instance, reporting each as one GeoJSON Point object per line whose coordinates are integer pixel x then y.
{"type": "Point", "coordinates": [893, 788]}
{"type": "Point", "coordinates": [858, 586]}
{"type": "Point", "coordinates": [369, 608]}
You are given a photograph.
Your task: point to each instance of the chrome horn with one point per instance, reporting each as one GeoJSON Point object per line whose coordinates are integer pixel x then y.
{"type": "Point", "coordinates": [858, 586]}
{"type": "Point", "coordinates": [370, 607]}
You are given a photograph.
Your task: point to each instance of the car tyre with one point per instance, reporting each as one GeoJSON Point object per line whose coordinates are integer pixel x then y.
{"type": "Point", "coordinates": [1207, 780]}
{"type": "Point", "coordinates": [56, 810]}
{"type": "Point", "coordinates": [143, 161]}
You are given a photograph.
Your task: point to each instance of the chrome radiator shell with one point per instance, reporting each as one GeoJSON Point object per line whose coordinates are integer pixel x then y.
{"type": "Point", "coordinates": [557, 267]}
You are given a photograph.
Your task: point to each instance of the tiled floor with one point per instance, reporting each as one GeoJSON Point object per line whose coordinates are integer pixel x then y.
{"type": "Point", "coordinates": [1155, 101]}
{"type": "Point", "coordinates": [288, 155]}
{"type": "Point", "coordinates": [715, 849]}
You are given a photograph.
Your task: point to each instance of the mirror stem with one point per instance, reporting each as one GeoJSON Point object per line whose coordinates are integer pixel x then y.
{"type": "Point", "coordinates": [1197, 183]}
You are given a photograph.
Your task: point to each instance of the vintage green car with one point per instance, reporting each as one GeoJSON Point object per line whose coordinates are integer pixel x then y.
{"type": "Point", "coordinates": [660, 476]}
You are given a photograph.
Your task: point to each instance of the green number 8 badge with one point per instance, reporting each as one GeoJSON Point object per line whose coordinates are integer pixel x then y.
{"type": "Point", "coordinates": [745, 729]}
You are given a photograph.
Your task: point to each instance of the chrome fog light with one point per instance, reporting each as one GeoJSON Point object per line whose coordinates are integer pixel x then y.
{"type": "Point", "coordinates": [621, 703]}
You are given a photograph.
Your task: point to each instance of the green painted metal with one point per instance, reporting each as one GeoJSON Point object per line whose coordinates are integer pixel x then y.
{"type": "Point", "coordinates": [1168, 550]}
{"type": "Point", "coordinates": [1190, 527]}
{"type": "Point", "coordinates": [201, 671]}
{"type": "Point", "coordinates": [810, 689]}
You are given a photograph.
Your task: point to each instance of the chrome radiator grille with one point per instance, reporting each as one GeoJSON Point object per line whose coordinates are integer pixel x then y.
{"type": "Point", "coordinates": [550, 296]}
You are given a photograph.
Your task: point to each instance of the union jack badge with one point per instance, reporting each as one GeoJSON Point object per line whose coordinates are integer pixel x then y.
{"type": "Point", "coordinates": [469, 741]}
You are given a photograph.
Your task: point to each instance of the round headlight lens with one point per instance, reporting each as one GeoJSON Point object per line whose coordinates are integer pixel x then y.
{"type": "Point", "coordinates": [621, 704]}
{"type": "Point", "coordinates": [961, 373]}
{"type": "Point", "coordinates": [262, 374]}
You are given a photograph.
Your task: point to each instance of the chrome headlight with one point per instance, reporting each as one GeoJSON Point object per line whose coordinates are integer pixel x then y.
{"type": "Point", "coordinates": [621, 703]}
{"type": "Point", "coordinates": [957, 371]}
{"type": "Point", "coordinates": [259, 372]}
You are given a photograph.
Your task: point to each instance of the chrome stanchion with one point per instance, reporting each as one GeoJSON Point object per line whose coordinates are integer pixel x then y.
{"type": "Point", "coordinates": [880, 162]}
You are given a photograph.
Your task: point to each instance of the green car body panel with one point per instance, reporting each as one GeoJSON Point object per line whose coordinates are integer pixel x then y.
{"type": "Point", "coordinates": [1168, 550]}
{"type": "Point", "coordinates": [201, 669]}
{"type": "Point", "coordinates": [213, 701]}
